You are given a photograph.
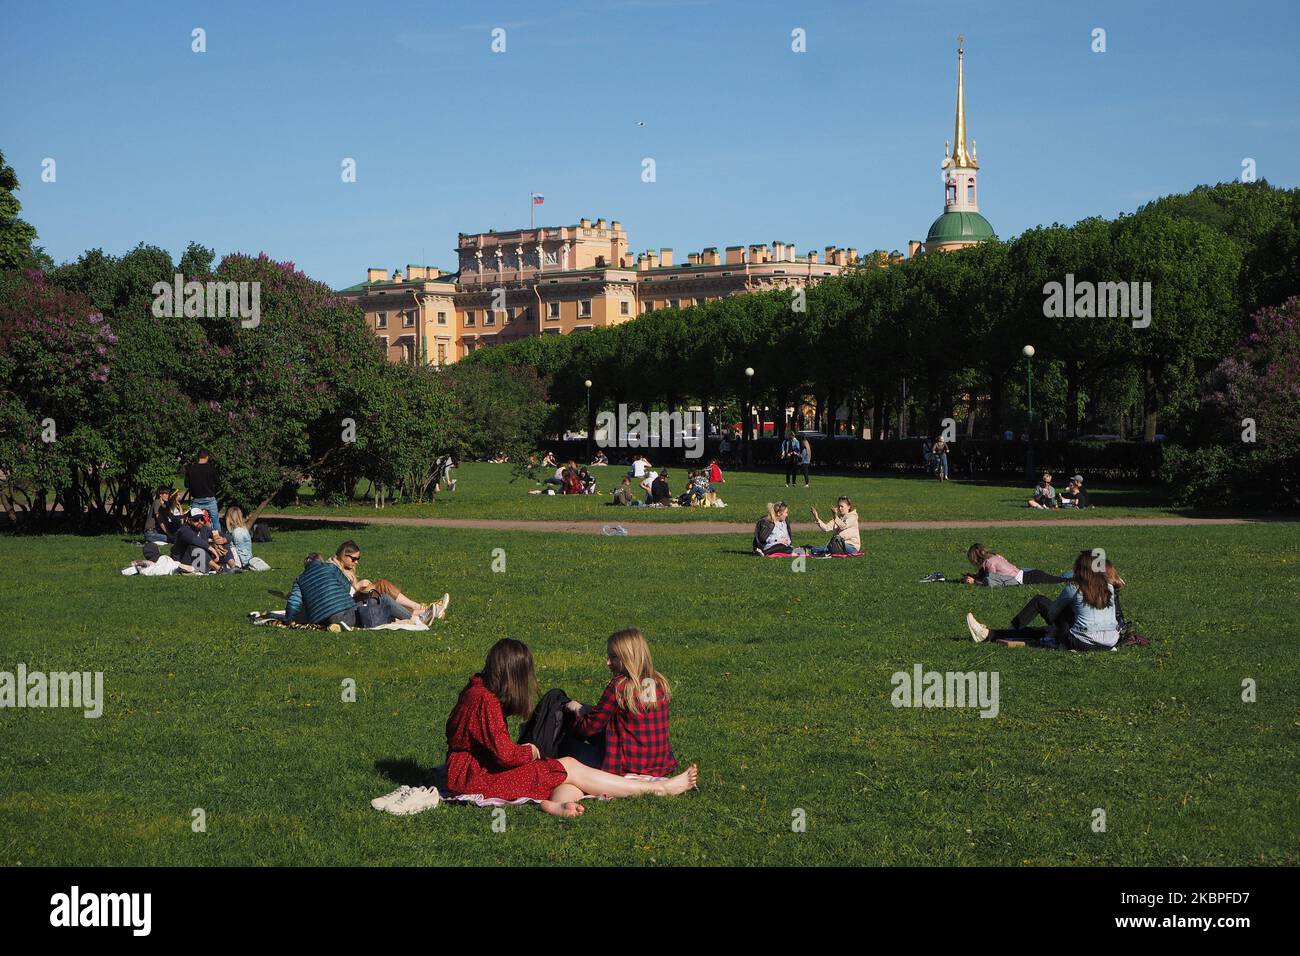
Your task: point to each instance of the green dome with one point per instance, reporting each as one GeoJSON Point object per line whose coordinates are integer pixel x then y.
{"type": "Point", "coordinates": [959, 227]}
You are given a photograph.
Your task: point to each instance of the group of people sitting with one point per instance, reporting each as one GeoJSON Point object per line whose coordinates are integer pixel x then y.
{"type": "Point", "coordinates": [329, 592]}
{"type": "Point", "coordinates": [626, 750]}
{"type": "Point", "coordinates": [772, 536]}
{"type": "Point", "coordinates": [1047, 496]}
{"type": "Point", "coordinates": [570, 479]}
{"type": "Point", "coordinates": [194, 540]}
{"type": "Point", "coordinates": [700, 490]}
{"type": "Point", "coordinates": [1085, 616]}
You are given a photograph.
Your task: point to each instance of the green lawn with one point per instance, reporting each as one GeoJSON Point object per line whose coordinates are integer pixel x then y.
{"type": "Point", "coordinates": [491, 491]}
{"type": "Point", "coordinates": [782, 686]}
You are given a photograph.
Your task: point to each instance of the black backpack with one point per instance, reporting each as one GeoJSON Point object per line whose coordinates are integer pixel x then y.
{"type": "Point", "coordinates": [261, 532]}
{"type": "Point", "coordinates": [373, 613]}
{"type": "Point", "coordinates": [545, 728]}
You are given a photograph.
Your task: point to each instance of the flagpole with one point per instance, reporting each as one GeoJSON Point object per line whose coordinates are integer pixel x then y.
{"type": "Point", "coordinates": [530, 211]}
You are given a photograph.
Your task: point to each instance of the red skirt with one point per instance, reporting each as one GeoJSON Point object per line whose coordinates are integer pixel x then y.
{"type": "Point", "coordinates": [534, 780]}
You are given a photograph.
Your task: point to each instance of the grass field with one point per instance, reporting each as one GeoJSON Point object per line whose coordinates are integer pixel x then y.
{"type": "Point", "coordinates": [491, 491]}
{"type": "Point", "coordinates": [782, 681]}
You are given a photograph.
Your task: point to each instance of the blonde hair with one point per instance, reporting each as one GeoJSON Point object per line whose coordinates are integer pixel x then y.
{"type": "Point", "coordinates": [773, 508]}
{"type": "Point", "coordinates": [643, 684]}
{"type": "Point", "coordinates": [235, 517]}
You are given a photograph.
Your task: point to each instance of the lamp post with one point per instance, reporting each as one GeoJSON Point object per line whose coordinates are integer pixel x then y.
{"type": "Point", "coordinates": [749, 384]}
{"type": "Point", "coordinates": [587, 382]}
{"type": "Point", "coordinates": [1028, 352]}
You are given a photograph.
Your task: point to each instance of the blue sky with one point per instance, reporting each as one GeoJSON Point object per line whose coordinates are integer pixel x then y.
{"type": "Point", "coordinates": [240, 147]}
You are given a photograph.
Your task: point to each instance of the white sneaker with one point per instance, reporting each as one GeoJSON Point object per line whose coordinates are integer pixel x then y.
{"type": "Point", "coordinates": [978, 632]}
{"type": "Point", "coordinates": [414, 800]}
{"type": "Point", "coordinates": [383, 803]}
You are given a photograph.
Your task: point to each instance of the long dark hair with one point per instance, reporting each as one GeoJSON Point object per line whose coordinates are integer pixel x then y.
{"type": "Point", "coordinates": [1092, 584]}
{"type": "Point", "coordinates": [509, 674]}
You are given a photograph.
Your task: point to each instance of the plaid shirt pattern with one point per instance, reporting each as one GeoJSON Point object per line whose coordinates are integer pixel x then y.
{"type": "Point", "coordinates": [634, 743]}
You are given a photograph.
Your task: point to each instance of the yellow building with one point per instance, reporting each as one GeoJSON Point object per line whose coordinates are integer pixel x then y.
{"type": "Point", "coordinates": [558, 280]}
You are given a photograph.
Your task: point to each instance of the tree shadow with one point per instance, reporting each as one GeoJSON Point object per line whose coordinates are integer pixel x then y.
{"type": "Point", "coordinates": [348, 523]}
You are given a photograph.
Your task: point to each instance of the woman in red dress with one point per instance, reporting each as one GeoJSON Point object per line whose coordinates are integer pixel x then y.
{"type": "Point", "coordinates": [482, 759]}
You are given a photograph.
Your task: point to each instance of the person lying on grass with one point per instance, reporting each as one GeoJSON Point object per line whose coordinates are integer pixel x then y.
{"type": "Point", "coordinates": [772, 531]}
{"type": "Point", "coordinates": [844, 528]}
{"type": "Point", "coordinates": [633, 710]}
{"type": "Point", "coordinates": [995, 571]}
{"type": "Point", "coordinates": [348, 556]}
{"type": "Point", "coordinates": [482, 759]}
{"type": "Point", "coordinates": [1082, 618]}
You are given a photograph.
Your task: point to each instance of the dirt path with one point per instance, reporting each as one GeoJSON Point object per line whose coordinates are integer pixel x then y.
{"type": "Point", "coordinates": [731, 527]}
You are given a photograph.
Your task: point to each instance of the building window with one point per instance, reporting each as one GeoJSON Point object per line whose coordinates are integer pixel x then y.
{"type": "Point", "coordinates": [726, 273]}
{"type": "Point", "coordinates": [584, 307]}
{"type": "Point", "coordinates": [779, 272]}
{"type": "Point", "coordinates": [442, 353]}
{"type": "Point", "coordinates": [381, 320]}
{"type": "Point", "coordinates": [552, 331]}
{"type": "Point", "coordinates": [408, 320]}
{"type": "Point", "coordinates": [490, 317]}
{"type": "Point", "coordinates": [970, 191]}
{"type": "Point", "coordinates": [645, 307]}
{"type": "Point", "coordinates": [383, 343]}
{"type": "Point", "coordinates": [470, 317]}
{"type": "Point", "coordinates": [552, 310]}
{"type": "Point", "coordinates": [625, 307]}
{"type": "Point", "coordinates": [674, 303]}
{"type": "Point", "coordinates": [442, 318]}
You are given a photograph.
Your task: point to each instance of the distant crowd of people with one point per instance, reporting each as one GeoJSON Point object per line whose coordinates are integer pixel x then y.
{"type": "Point", "coordinates": [657, 493]}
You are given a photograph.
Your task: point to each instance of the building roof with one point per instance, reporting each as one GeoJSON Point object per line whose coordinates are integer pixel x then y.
{"type": "Point", "coordinates": [959, 227]}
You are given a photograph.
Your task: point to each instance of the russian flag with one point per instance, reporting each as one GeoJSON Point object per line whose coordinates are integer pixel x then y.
{"type": "Point", "coordinates": [538, 199]}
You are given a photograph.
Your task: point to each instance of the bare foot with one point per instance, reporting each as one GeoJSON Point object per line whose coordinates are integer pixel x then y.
{"type": "Point", "coordinates": [570, 809]}
{"type": "Point", "coordinates": [684, 781]}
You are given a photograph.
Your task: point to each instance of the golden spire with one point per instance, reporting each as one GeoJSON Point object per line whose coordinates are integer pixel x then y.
{"type": "Point", "coordinates": [961, 157]}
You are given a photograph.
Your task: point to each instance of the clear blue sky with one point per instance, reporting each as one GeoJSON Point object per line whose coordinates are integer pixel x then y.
{"type": "Point", "coordinates": [240, 147]}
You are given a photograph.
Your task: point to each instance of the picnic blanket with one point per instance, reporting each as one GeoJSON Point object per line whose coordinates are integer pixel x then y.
{"type": "Point", "coordinates": [166, 564]}
{"type": "Point", "coordinates": [792, 554]}
{"type": "Point", "coordinates": [438, 779]}
{"type": "Point", "coordinates": [268, 619]}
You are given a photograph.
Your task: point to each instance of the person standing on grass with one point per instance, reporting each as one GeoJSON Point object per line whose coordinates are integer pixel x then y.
{"type": "Point", "coordinates": [633, 710]}
{"type": "Point", "coordinates": [940, 451]}
{"type": "Point", "coordinates": [1082, 618]}
{"type": "Point", "coordinates": [844, 528]}
{"type": "Point", "coordinates": [805, 460]}
{"type": "Point", "coordinates": [201, 483]}
{"type": "Point", "coordinates": [483, 760]}
{"type": "Point", "coordinates": [790, 455]}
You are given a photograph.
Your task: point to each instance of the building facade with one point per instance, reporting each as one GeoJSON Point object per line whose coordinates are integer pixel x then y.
{"type": "Point", "coordinates": [559, 280]}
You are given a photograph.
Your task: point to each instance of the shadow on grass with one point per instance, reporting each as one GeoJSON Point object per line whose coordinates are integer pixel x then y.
{"type": "Point", "coordinates": [405, 771]}
{"type": "Point", "coordinates": [347, 522]}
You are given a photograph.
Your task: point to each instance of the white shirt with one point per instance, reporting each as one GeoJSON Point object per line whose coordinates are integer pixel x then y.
{"type": "Point", "coordinates": [638, 468]}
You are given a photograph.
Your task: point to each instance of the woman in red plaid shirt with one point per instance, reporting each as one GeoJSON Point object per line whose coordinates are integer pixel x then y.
{"type": "Point", "coordinates": [633, 711]}
{"type": "Point", "coordinates": [482, 759]}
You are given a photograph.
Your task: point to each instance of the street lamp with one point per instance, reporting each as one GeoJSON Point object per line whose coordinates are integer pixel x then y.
{"type": "Point", "coordinates": [1028, 352]}
{"type": "Point", "coordinates": [749, 383]}
{"type": "Point", "coordinates": [587, 382]}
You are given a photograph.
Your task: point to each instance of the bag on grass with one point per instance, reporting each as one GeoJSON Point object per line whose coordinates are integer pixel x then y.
{"type": "Point", "coordinates": [261, 532]}
{"type": "Point", "coordinates": [837, 546]}
{"type": "Point", "coordinates": [373, 612]}
{"type": "Point", "coordinates": [546, 726]}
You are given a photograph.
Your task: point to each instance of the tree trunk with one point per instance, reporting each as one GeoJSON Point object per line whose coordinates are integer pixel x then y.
{"type": "Point", "coordinates": [1150, 399]}
{"type": "Point", "coordinates": [1072, 398]}
{"type": "Point", "coordinates": [878, 413]}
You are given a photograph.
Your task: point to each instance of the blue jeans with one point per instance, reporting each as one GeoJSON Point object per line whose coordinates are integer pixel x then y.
{"type": "Point", "coordinates": [155, 537]}
{"type": "Point", "coordinates": [210, 506]}
{"type": "Point", "coordinates": [943, 464]}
